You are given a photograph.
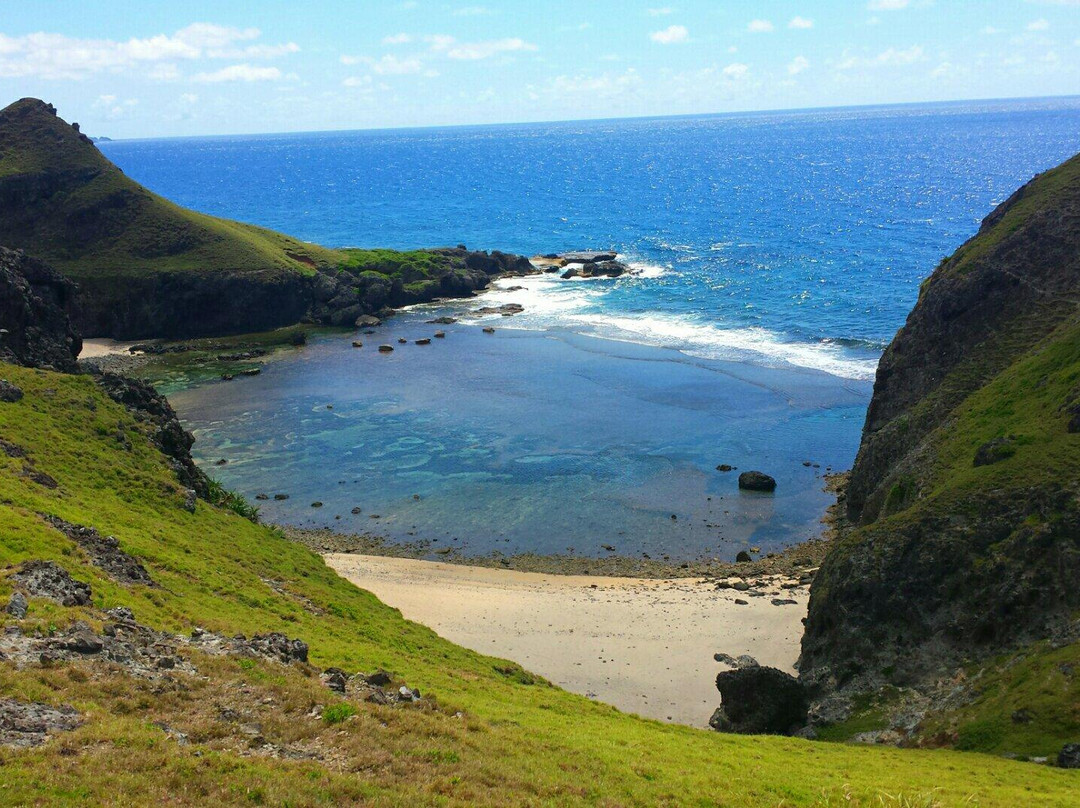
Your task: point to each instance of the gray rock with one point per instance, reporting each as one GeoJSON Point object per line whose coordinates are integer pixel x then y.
{"type": "Point", "coordinates": [9, 393]}
{"type": "Point", "coordinates": [105, 552]}
{"type": "Point", "coordinates": [1069, 756]}
{"type": "Point", "coordinates": [26, 724]}
{"type": "Point", "coordinates": [756, 481]}
{"type": "Point", "coordinates": [17, 605]}
{"type": "Point", "coordinates": [367, 321]}
{"type": "Point", "coordinates": [46, 579]}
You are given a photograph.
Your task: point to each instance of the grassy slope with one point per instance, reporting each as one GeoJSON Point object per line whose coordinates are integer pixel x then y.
{"type": "Point", "coordinates": [105, 225]}
{"type": "Point", "coordinates": [520, 742]}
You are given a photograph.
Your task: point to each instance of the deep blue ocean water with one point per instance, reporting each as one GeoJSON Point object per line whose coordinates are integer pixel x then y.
{"type": "Point", "coordinates": [776, 253]}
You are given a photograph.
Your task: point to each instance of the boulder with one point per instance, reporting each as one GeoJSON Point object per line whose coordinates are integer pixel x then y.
{"type": "Point", "coordinates": [17, 605]}
{"type": "Point", "coordinates": [743, 557]}
{"type": "Point", "coordinates": [756, 481]}
{"type": "Point", "coordinates": [725, 467]}
{"type": "Point", "coordinates": [994, 451]}
{"type": "Point", "coordinates": [442, 321]}
{"type": "Point", "coordinates": [9, 393]}
{"type": "Point", "coordinates": [386, 348]}
{"type": "Point", "coordinates": [587, 257]}
{"type": "Point", "coordinates": [759, 700]}
{"type": "Point", "coordinates": [1069, 756]}
{"type": "Point", "coordinates": [367, 321]}
{"type": "Point", "coordinates": [423, 341]}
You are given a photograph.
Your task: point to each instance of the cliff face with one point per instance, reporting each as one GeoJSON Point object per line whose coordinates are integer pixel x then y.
{"type": "Point", "coordinates": [147, 268]}
{"type": "Point", "coordinates": [35, 303]}
{"type": "Point", "coordinates": [965, 535]}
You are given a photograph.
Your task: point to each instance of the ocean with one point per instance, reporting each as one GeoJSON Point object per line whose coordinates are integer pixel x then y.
{"type": "Point", "coordinates": [776, 254]}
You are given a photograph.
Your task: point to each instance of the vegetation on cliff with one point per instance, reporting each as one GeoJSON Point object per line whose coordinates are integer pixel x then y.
{"type": "Point", "coordinates": [146, 267]}
{"type": "Point", "coordinates": [959, 572]}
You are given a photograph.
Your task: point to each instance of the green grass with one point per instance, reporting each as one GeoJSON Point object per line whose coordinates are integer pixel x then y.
{"type": "Point", "coordinates": [518, 739]}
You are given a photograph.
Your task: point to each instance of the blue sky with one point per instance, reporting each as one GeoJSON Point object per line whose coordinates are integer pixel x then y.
{"type": "Point", "coordinates": [143, 68]}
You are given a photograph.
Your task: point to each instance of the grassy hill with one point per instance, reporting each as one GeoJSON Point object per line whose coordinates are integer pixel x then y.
{"type": "Point", "coordinates": [147, 267]}
{"type": "Point", "coordinates": [487, 732]}
{"type": "Point", "coordinates": [957, 581]}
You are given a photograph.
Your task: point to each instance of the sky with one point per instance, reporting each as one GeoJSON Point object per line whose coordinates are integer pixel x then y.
{"type": "Point", "coordinates": [145, 68]}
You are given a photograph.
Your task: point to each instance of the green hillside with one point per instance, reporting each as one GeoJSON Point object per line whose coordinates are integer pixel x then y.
{"type": "Point", "coordinates": [486, 732]}
{"type": "Point", "coordinates": [957, 581]}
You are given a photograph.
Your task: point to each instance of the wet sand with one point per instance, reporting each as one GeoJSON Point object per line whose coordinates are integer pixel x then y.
{"type": "Point", "coordinates": [643, 645]}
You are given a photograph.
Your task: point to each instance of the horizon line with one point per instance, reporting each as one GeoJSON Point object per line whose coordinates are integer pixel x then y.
{"type": "Point", "coordinates": [688, 115]}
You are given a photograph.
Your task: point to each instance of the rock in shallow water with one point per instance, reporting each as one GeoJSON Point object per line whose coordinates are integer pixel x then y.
{"type": "Point", "coordinates": [756, 481]}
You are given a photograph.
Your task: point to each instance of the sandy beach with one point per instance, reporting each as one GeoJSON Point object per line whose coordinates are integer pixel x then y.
{"type": "Point", "coordinates": [645, 646]}
{"type": "Point", "coordinates": [93, 348]}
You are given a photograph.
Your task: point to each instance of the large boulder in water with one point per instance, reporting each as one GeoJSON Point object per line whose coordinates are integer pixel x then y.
{"type": "Point", "coordinates": [757, 700]}
{"type": "Point", "coordinates": [756, 481]}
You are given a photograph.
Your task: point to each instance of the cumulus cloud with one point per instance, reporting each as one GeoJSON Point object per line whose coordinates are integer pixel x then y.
{"type": "Point", "coordinates": [888, 5]}
{"type": "Point", "coordinates": [471, 11]}
{"type": "Point", "coordinates": [58, 57]}
{"type": "Point", "coordinates": [393, 66]}
{"type": "Point", "coordinates": [660, 12]}
{"type": "Point", "coordinates": [735, 71]}
{"type": "Point", "coordinates": [672, 35]}
{"type": "Point", "coordinates": [397, 39]}
{"type": "Point", "coordinates": [240, 72]}
{"type": "Point", "coordinates": [760, 26]}
{"type": "Point", "coordinates": [472, 51]}
{"type": "Point", "coordinates": [800, 23]}
{"type": "Point", "coordinates": [798, 65]}
{"type": "Point", "coordinates": [1038, 25]}
{"type": "Point", "coordinates": [891, 57]}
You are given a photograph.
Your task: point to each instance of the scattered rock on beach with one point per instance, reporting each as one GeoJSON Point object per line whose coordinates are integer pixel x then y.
{"type": "Point", "coordinates": [386, 348]}
{"type": "Point", "coordinates": [756, 481]}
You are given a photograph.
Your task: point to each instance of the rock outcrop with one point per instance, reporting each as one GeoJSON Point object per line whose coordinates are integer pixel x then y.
{"type": "Point", "coordinates": [759, 700]}
{"type": "Point", "coordinates": [964, 540]}
{"type": "Point", "coordinates": [35, 307]}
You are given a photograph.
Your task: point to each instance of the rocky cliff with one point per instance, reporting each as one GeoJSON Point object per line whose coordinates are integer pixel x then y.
{"type": "Point", "coordinates": [145, 267]}
{"type": "Point", "coordinates": [964, 540]}
{"type": "Point", "coordinates": [35, 303]}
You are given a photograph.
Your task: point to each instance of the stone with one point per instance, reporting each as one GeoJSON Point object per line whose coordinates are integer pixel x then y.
{"type": "Point", "coordinates": [725, 467]}
{"type": "Point", "coordinates": [281, 497]}
{"type": "Point", "coordinates": [386, 348]}
{"type": "Point", "coordinates": [1069, 756]}
{"type": "Point", "coordinates": [442, 321]}
{"type": "Point", "coordinates": [47, 579]}
{"type": "Point", "coordinates": [440, 334]}
{"type": "Point", "coordinates": [9, 393]}
{"type": "Point", "coordinates": [377, 679]}
{"type": "Point", "coordinates": [756, 481]}
{"type": "Point", "coordinates": [587, 257]}
{"type": "Point", "coordinates": [489, 330]}
{"type": "Point", "coordinates": [336, 679]}
{"type": "Point", "coordinates": [83, 641]}
{"type": "Point", "coordinates": [17, 605]}
{"type": "Point", "coordinates": [402, 341]}
{"type": "Point", "coordinates": [190, 497]}
{"type": "Point", "coordinates": [994, 451]}
{"type": "Point", "coordinates": [105, 552]}
{"type": "Point", "coordinates": [27, 724]}
{"type": "Point", "coordinates": [423, 341]}
{"type": "Point", "coordinates": [759, 700]}
{"type": "Point", "coordinates": [316, 504]}
{"type": "Point", "coordinates": [357, 344]}
{"type": "Point", "coordinates": [367, 321]}
{"type": "Point", "coordinates": [743, 557]}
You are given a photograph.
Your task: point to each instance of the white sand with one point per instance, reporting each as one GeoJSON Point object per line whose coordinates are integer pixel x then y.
{"type": "Point", "coordinates": [645, 646]}
{"type": "Point", "coordinates": [103, 347]}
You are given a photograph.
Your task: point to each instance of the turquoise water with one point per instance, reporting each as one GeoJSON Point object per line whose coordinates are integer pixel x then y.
{"type": "Point", "coordinates": [775, 256]}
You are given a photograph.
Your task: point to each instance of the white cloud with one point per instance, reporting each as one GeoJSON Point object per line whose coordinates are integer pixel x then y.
{"type": "Point", "coordinates": [1038, 25]}
{"type": "Point", "coordinates": [440, 42]}
{"type": "Point", "coordinates": [604, 86]}
{"type": "Point", "coordinates": [888, 5]}
{"type": "Point", "coordinates": [798, 65]}
{"type": "Point", "coordinates": [346, 59]}
{"type": "Point", "coordinates": [58, 57]}
{"type": "Point", "coordinates": [112, 108]}
{"type": "Point", "coordinates": [891, 57]}
{"type": "Point", "coordinates": [393, 66]}
{"type": "Point", "coordinates": [397, 39]}
{"type": "Point", "coordinates": [189, 98]}
{"type": "Point", "coordinates": [672, 35]}
{"type": "Point", "coordinates": [660, 12]}
{"type": "Point", "coordinates": [472, 51]}
{"type": "Point", "coordinates": [735, 71]}
{"type": "Point", "coordinates": [240, 72]}
{"type": "Point", "coordinates": [357, 81]}
{"type": "Point", "coordinates": [471, 11]}
{"type": "Point", "coordinates": [990, 30]}
{"type": "Point", "coordinates": [760, 26]}
{"type": "Point", "coordinates": [800, 23]}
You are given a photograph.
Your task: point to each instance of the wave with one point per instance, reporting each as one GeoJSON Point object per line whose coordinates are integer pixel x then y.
{"type": "Point", "coordinates": [552, 303]}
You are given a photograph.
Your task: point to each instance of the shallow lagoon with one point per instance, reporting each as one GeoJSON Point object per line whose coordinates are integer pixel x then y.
{"type": "Point", "coordinates": [529, 440]}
